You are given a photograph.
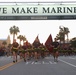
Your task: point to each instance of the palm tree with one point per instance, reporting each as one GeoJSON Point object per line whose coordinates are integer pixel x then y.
{"type": "Point", "coordinates": [60, 36]}
{"type": "Point", "coordinates": [66, 31]}
{"type": "Point", "coordinates": [20, 37]}
{"type": "Point", "coordinates": [73, 42]}
{"type": "Point", "coordinates": [14, 30]}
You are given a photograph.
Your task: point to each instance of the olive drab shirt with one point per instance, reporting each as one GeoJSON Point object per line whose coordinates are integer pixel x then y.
{"type": "Point", "coordinates": [15, 44]}
{"type": "Point", "coordinates": [55, 44]}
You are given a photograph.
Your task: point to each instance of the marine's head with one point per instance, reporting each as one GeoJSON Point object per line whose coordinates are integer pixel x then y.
{"type": "Point", "coordinates": [14, 40]}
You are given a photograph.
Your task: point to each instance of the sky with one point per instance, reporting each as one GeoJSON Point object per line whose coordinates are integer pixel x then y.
{"type": "Point", "coordinates": [32, 28]}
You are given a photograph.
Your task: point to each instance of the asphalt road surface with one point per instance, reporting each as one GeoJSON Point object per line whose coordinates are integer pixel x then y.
{"type": "Point", "coordinates": [47, 66]}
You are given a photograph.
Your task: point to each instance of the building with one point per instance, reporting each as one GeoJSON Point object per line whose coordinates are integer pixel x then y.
{"type": "Point", "coordinates": [8, 41]}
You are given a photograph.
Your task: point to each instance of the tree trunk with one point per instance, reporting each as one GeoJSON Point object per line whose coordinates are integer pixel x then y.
{"type": "Point", "coordinates": [13, 37]}
{"type": "Point", "coordinates": [60, 40]}
{"type": "Point", "coordinates": [20, 43]}
{"type": "Point", "coordinates": [67, 38]}
{"type": "Point", "coordinates": [23, 42]}
{"type": "Point", "coordinates": [64, 39]}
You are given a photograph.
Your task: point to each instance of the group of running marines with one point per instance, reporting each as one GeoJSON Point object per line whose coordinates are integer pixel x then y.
{"type": "Point", "coordinates": [28, 51]}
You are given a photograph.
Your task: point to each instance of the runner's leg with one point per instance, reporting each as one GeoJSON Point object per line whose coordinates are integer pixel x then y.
{"type": "Point", "coordinates": [25, 55]}
{"type": "Point", "coordinates": [36, 56]}
{"type": "Point", "coordinates": [14, 56]}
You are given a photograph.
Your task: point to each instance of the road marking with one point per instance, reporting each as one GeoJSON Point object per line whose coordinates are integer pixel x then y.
{"type": "Point", "coordinates": [37, 63]}
{"type": "Point", "coordinates": [32, 62]}
{"type": "Point", "coordinates": [52, 62]}
{"type": "Point", "coordinates": [27, 62]}
{"type": "Point", "coordinates": [67, 63]}
{"type": "Point", "coordinates": [72, 58]}
{"type": "Point", "coordinates": [45, 62]}
{"type": "Point", "coordinates": [42, 62]}
{"type": "Point", "coordinates": [47, 58]}
{"type": "Point", "coordinates": [8, 65]}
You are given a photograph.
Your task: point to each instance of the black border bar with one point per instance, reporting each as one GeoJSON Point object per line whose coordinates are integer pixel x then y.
{"type": "Point", "coordinates": [67, 17]}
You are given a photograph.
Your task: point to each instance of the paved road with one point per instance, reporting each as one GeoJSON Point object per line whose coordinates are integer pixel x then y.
{"type": "Point", "coordinates": [65, 66]}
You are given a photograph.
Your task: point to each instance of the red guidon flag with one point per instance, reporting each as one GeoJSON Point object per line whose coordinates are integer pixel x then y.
{"type": "Point", "coordinates": [48, 43]}
{"type": "Point", "coordinates": [36, 42]}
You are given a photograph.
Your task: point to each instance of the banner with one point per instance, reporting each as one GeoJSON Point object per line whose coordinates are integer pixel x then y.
{"type": "Point", "coordinates": [38, 10]}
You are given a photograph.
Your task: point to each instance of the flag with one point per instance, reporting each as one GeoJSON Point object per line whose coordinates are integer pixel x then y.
{"type": "Point", "coordinates": [36, 42]}
{"type": "Point", "coordinates": [37, 39]}
{"type": "Point", "coordinates": [48, 43]}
